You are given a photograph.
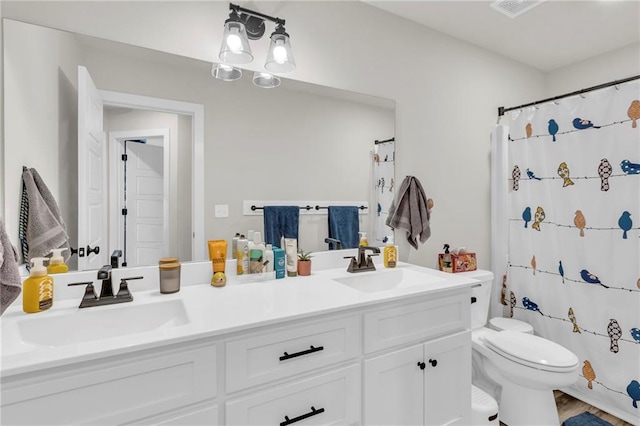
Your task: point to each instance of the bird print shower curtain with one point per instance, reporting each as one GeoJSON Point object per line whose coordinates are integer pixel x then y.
{"type": "Point", "coordinates": [573, 268]}
{"type": "Point", "coordinates": [384, 154]}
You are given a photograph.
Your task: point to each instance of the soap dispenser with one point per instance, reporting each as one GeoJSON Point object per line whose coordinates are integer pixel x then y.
{"type": "Point", "coordinates": [390, 253]}
{"type": "Point", "coordinates": [363, 239]}
{"type": "Point", "coordinates": [56, 262]}
{"type": "Point", "coordinates": [37, 290]}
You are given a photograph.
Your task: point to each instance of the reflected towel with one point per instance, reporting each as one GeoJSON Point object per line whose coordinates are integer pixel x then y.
{"type": "Point", "coordinates": [10, 283]}
{"type": "Point", "coordinates": [280, 221]}
{"type": "Point", "coordinates": [45, 229]}
{"type": "Point", "coordinates": [409, 212]}
{"type": "Point", "coordinates": [344, 225]}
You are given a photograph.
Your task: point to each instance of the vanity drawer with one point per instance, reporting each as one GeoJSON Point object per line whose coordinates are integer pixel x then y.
{"type": "Point", "coordinates": [386, 328]}
{"type": "Point", "coordinates": [123, 390]}
{"type": "Point", "coordinates": [260, 358]}
{"type": "Point", "coordinates": [332, 398]}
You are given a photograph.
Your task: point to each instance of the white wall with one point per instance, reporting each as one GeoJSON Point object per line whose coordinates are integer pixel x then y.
{"type": "Point", "coordinates": [611, 66]}
{"type": "Point", "coordinates": [45, 86]}
{"type": "Point", "coordinates": [446, 91]}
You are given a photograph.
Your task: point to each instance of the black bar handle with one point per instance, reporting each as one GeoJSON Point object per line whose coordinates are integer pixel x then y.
{"type": "Point", "coordinates": [313, 412]}
{"type": "Point", "coordinates": [82, 283]}
{"type": "Point", "coordinates": [311, 350]}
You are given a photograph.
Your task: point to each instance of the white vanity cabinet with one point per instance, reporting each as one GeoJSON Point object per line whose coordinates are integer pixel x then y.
{"type": "Point", "coordinates": [428, 383]}
{"type": "Point", "coordinates": [118, 390]}
{"type": "Point", "coordinates": [388, 360]}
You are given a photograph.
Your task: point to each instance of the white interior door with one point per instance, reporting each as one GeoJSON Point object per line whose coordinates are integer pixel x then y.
{"type": "Point", "coordinates": [145, 198]}
{"type": "Point", "coordinates": [92, 198]}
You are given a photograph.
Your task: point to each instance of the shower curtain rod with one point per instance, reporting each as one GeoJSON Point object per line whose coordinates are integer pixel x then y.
{"type": "Point", "coordinates": [502, 110]}
{"type": "Point", "coordinates": [377, 142]}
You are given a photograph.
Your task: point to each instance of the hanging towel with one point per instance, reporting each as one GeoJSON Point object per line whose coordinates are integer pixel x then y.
{"type": "Point", "coordinates": [10, 283]}
{"type": "Point", "coordinates": [280, 221]}
{"type": "Point", "coordinates": [409, 212]}
{"type": "Point", "coordinates": [45, 229]}
{"type": "Point", "coordinates": [344, 225]}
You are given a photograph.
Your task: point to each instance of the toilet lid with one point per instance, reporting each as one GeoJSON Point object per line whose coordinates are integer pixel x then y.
{"type": "Point", "coordinates": [532, 351]}
{"type": "Point", "coordinates": [500, 323]}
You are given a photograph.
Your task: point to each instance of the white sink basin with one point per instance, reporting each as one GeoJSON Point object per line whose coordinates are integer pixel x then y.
{"type": "Point", "coordinates": [99, 323]}
{"type": "Point", "coordinates": [386, 280]}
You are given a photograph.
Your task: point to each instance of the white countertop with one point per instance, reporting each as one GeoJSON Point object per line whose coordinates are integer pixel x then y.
{"type": "Point", "coordinates": [211, 311]}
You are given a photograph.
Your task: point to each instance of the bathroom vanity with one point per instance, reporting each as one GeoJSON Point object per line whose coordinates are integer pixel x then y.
{"type": "Point", "coordinates": [390, 346]}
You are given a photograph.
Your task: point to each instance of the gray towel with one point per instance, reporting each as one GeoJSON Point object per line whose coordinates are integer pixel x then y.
{"type": "Point", "coordinates": [409, 212]}
{"type": "Point", "coordinates": [45, 228]}
{"type": "Point", "coordinates": [10, 283]}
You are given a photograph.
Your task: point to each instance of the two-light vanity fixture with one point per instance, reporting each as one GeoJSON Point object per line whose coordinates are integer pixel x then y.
{"type": "Point", "coordinates": [242, 25]}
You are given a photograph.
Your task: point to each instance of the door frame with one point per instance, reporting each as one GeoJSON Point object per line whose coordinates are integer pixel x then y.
{"type": "Point", "coordinates": [196, 112]}
{"type": "Point", "coordinates": [115, 152]}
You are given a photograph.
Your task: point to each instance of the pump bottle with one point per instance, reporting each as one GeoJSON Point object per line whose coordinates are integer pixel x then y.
{"type": "Point", "coordinates": [390, 254]}
{"type": "Point", "coordinates": [363, 239]}
{"type": "Point", "coordinates": [56, 262]}
{"type": "Point", "coordinates": [37, 290]}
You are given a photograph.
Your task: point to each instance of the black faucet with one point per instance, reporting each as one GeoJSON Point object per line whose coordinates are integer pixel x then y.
{"type": "Point", "coordinates": [332, 242]}
{"type": "Point", "coordinates": [363, 264]}
{"type": "Point", "coordinates": [114, 258]}
{"type": "Point", "coordinates": [106, 293]}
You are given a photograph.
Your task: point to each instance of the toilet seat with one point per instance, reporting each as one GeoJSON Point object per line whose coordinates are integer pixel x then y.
{"type": "Point", "coordinates": [500, 324]}
{"type": "Point", "coordinates": [532, 351]}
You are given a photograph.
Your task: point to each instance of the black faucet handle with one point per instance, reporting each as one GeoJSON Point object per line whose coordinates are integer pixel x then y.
{"type": "Point", "coordinates": [89, 292]}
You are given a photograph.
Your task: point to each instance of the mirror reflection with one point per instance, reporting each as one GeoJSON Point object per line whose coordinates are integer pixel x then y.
{"type": "Point", "coordinates": [299, 142]}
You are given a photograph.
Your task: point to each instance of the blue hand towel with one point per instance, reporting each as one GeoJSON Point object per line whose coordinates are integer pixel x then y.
{"type": "Point", "coordinates": [344, 225]}
{"type": "Point", "coordinates": [280, 221]}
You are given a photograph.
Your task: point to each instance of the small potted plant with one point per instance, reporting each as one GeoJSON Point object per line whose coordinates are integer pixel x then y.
{"type": "Point", "coordinates": [304, 263]}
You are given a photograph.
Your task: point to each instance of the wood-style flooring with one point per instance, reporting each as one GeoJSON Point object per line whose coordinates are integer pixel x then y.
{"type": "Point", "coordinates": [569, 406]}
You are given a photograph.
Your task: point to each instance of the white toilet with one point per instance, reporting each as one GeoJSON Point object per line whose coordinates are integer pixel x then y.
{"type": "Point", "coordinates": [518, 369]}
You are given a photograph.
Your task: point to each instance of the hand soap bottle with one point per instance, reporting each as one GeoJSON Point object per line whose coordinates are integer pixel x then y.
{"type": "Point", "coordinates": [390, 254]}
{"type": "Point", "coordinates": [363, 239]}
{"type": "Point", "coordinates": [56, 262]}
{"type": "Point", "coordinates": [37, 290]}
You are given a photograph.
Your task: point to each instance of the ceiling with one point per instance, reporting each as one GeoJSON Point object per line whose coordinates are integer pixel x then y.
{"type": "Point", "coordinates": [549, 36]}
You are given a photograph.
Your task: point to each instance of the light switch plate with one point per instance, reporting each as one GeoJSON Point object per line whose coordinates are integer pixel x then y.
{"type": "Point", "coordinates": [221, 210]}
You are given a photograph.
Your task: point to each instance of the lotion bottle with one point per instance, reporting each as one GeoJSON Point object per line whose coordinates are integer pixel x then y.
{"type": "Point", "coordinates": [37, 290]}
{"type": "Point", "coordinates": [56, 262]}
{"type": "Point", "coordinates": [269, 258]}
{"type": "Point", "coordinates": [390, 254]}
{"type": "Point", "coordinates": [242, 255]}
{"type": "Point", "coordinates": [256, 254]}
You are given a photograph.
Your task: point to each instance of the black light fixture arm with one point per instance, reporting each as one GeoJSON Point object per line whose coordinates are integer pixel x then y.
{"type": "Point", "coordinates": [236, 8]}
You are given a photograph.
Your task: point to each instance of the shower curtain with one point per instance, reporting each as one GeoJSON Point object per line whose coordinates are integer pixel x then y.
{"type": "Point", "coordinates": [383, 158]}
{"type": "Point", "coordinates": [573, 243]}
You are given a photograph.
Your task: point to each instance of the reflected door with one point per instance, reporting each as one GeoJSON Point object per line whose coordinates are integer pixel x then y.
{"type": "Point", "coordinates": [92, 194]}
{"type": "Point", "coordinates": [144, 192]}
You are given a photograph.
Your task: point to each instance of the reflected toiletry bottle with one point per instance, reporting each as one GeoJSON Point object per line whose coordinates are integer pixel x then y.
{"type": "Point", "coordinates": [56, 262]}
{"type": "Point", "coordinates": [268, 257]}
{"type": "Point", "coordinates": [242, 255]}
{"type": "Point", "coordinates": [390, 254]}
{"type": "Point", "coordinates": [37, 290]}
{"type": "Point", "coordinates": [446, 259]}
{"type": "Point", "coordinates": [363, 239]}
{"type": "Point", "coordinates": [234, 246]}
{"type": "Point", "coordinates": [256, 254]}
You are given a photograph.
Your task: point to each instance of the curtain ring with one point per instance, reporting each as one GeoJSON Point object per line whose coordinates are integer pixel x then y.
{"type": "Point", "coordinates": [616, 86]}
{"type": "Point", "coordinates": [582, 95]}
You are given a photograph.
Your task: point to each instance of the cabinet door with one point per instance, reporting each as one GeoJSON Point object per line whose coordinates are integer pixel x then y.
{"type": "Point", "coordinates": [394, 388]}
{"type": "Point", "coordinates": [447, 380]}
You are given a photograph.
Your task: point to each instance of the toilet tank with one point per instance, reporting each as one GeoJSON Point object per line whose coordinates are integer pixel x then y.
{"type": "Point", "coordinates": [482, 294]}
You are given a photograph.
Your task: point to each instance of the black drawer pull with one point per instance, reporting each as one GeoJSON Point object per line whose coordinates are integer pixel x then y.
{"type": "Point", "coordinates": [311, 350]}
{"type": "Point", "coordinates": [313, 412]}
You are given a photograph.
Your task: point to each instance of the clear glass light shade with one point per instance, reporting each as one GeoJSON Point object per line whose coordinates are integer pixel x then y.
{"type": "Point", "coordinates": [266, 80]}
{"type": "Point", "coordinates": [226, 72]}
{"type": "Point", "coordinates": [235, 44]}
{"type": "Point", "coordinates": [280, 59]}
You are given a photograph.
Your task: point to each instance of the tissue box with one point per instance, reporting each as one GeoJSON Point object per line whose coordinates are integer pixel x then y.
{"type": "Point", "coordinates": [459, 263]}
